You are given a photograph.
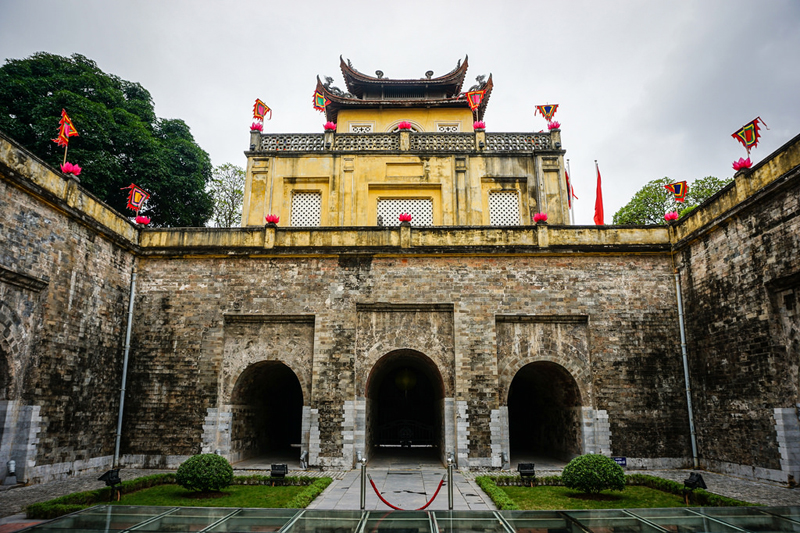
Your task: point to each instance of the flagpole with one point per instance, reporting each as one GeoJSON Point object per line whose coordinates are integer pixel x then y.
{"type": "Point", "coordinates": [66, 147]}
{"type": "Point", "coordinates": [569, 197]}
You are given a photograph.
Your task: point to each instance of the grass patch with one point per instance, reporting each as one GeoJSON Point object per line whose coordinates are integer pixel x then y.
{"type": "Point", "coordinates": [160, 489]}
{"type": "Point", "coordinates": [534, 498]}
{"type": "Point", "coordinates": [231, 496]}
{"type": "Point", "coordinates": [510, 492]}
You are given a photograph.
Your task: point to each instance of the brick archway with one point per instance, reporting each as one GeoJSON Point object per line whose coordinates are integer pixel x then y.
{"type": "Point", "coordinates": [267, 412]}
{"type": "Point", "coordinates": [405, 406]}
{"type": "Point", "coordinates": [544, 412]}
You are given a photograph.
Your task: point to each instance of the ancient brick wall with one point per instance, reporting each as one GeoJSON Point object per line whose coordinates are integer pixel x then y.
{"type": "Point", "coordinates": [631, 338]}
{"type": "Point", "coordinates": [64, 290]}
{"type": "Point", "coordinates": [740, 281]}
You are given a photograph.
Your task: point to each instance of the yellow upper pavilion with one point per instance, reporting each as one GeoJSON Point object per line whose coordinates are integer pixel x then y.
{"type": "Point", "coordinates": [442, 170]}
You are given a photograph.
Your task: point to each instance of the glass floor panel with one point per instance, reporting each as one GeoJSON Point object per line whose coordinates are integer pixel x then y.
{"type": "Point", "coordinates": [126, 518]}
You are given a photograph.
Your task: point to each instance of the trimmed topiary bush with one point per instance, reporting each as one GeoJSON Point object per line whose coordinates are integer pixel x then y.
{"type": "Point", "coordinates": [593, 473]}
{"type": "Point", "coordinates": [204, 473]}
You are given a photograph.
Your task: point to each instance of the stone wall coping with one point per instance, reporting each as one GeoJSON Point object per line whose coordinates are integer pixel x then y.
{"type": "Point", "coordinates": [253, 318]}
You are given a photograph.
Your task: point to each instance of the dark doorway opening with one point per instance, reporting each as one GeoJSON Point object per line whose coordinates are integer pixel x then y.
{"type": "Point", "coordinates": [544, 414]}
{"type": "Point", "coordinates": [405, 408]}
{"type": "Point", "coordinates": [267, 413]}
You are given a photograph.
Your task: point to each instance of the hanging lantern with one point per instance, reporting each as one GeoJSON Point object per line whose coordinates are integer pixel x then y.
{"type": "Point", "coordinates": [405, 380]}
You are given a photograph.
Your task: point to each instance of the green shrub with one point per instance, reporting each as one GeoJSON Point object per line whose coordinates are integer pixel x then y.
{"type": "Point", "coordinates": [593, 473]}
{"type": "Point", "coordinates": [204, 473]}
{"type": "Point", "coordinates": [312, 491]}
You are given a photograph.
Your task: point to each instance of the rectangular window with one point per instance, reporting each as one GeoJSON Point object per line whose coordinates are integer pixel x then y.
{"type": "Point", "coordinates": [360, 128]}
{"type": "Point", "coordinates": [443, 127]}
{"type": "Point", "coordinates": [504, 208]}
{"type": "Point", "coordinates": [420, 209]}
{"type": "Point", "coordinates": [306, 209]}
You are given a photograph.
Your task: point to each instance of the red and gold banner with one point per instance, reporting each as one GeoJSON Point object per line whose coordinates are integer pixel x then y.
{"type": "Point", "coordinates": [748, 134]}
{"type": "Point", "coordinates": [320, 102]}
{"type": "Point", "coordinates": [136, 197]}
{"type": "Point", "coordinates": [65, 130]}
{"type": "Point", "coordinates": [547, 111]}
{"type": "Point", "coordinates": [679, 189]}
{"type": "Point", "coordinates": [260, 110]}
{"type": "Point", "coordinates": [474, 99]}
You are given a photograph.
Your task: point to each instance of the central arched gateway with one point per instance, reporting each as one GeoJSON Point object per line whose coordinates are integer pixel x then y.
{"type": "Point", "coordinates": [267, 413]}
{"type": "Point", "coordinates": [544, 413]}
{"type": "Point", "coordinates": [405, 407]}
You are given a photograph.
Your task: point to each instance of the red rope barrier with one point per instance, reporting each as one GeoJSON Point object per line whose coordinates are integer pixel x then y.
{"type": "Point", "coordinates": [398, 508]}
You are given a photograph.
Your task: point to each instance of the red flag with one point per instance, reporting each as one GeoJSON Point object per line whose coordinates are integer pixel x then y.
{"type": "Point", "coordinates": [570, 191]}
{"type": "Point", "coordinates": [598, 203]}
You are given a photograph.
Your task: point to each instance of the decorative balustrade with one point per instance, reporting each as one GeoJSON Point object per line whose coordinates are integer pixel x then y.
{"type": "Point", "coordinates": [390, 142]}
{"type": "Point", "coordinates": [517, 142]}
{"type": "Point", "coordinates": [443, 142]}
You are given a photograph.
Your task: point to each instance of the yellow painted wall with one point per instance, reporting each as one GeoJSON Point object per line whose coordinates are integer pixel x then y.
{"type": "Point", "coordinates": [384, 120]}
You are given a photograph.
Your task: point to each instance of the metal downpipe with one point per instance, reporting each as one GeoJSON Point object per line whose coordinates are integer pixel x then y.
{"type": "Point", "coordinates": [125, 368]}
{"type": "Point", "coordinates": [686, 369]}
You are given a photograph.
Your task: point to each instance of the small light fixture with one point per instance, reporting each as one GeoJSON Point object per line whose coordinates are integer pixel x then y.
{"type": "Point", "coordinates": [481, 144]}
{"type": "Point", "coordinates": [278, 470]}
{"type": "Point", "coordinates": [527, 470]}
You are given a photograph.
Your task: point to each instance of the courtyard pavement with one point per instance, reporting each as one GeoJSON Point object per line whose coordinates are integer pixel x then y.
{"type": "Point", "coordinates": [403, 483]}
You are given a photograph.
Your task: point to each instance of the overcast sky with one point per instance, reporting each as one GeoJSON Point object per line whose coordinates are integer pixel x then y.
{"type": "Point", "coordinates": [648, 89]}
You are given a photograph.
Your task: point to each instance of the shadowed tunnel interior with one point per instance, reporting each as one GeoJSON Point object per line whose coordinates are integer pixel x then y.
{"type": "Point", "coordinates": [544, 412]}
{"type": "Point", "coordinates": [405, 405]}
{"type": "Point", "coordinates": [267, 410]}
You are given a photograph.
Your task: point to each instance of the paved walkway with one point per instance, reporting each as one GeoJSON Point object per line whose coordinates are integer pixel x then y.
{"type": "Point", "coordinates": [405, 485]}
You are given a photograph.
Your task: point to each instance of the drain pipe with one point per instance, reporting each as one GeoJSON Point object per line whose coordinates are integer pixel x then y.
{"type": "Point", "coordinates": [125, 367]}
{"type": "Point", "coordinates": [686, 369]}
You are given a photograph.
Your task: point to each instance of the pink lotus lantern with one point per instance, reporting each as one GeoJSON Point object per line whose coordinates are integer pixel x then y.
{"type": "Point", "coordinates": [404, 126]}
{"type": "Point", "coordinates": [142, 220]}
{"type": "Point", "coordinates": [272, 219]}
{"type": "Point", "coordinates": [671, 216]}
{"type": "Point", "coordinates": [540, 217]}
{"type": "Point", "coordinates": [329, 126]}
{"type": "Point", "coordinates": [479, 125]}
{"type": "Point", "coordinates": [69, 168]}
{"type": "Point", "coordinates": [404, 217]}
{"type": "Point", "coordinates": [553, 125]}
{"type": "Point", "coordinates": [256, 126]}
{"type": "Point", "coordinates": [742, 164]}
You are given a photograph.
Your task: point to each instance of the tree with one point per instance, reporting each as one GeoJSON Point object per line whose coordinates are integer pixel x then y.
{"type": "Point", "coordinates": [227, 190]}
{"type": "Point", "coordinates": [650, 202]}
{"type": "Point", "coordinates": [121, 141]}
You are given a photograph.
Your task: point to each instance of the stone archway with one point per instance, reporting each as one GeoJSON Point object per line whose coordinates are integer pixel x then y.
{"type": "Point", "coordinates": [267, 412]}
{"type": "Point", "coordinates": [544, 413]}
{"type": "Point", "coordinates": [405, 407]}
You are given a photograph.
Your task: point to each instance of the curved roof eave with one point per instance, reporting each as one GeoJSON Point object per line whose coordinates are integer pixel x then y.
{"type": "Point", "coordinates": [353, 77]}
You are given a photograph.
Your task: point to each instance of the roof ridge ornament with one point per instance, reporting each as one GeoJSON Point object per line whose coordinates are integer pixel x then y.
{"type": "Point", "coordinates": [429, 74]}
{"type": "Point", "coordinates": [481, 83]}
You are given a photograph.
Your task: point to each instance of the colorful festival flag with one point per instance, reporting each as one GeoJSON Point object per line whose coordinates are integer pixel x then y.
{"type": "Point", "coordinates": [598, 203]}
{"type": "Point", "coordinates": [320, 102]}
{"type": "Point", "coordinates": [474, 99]}
{"type": "Point", "coordinates": [260, 109]}
{"type": "Point", "coordinates": [547, 111]}
{"type": "Point", "coordinates": [136, 197]}
{"type": "Point", "coordinates": [679, 189]}
{"type": "Point", "coordinates": [748, 134]}
{"type": "Point", "coordinates": [65, 130]}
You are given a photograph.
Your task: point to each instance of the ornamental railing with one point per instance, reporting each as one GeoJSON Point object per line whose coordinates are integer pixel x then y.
{"type": "Point", "coordinates": [418, 142]}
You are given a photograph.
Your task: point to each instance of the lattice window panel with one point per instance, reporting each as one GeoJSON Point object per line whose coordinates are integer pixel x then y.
{"type": "Point", "coordinates": [504, 208]}
{"type": "Point", "coordinates": [448, 128]}
{"type": "Point", "coordinates": [360, 128]}
{"type": "Point", "coordinates": [420, 209]}
{"type": "Point", "coordinates": [306, 209]}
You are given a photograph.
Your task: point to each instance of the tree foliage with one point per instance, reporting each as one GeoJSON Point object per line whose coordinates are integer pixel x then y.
{"type": "Point", "coordinates": [121, 141]}
{"type": "Point", "coordinates": [650, 202]}
{"type": "Point", "coordinates": [227, 190]}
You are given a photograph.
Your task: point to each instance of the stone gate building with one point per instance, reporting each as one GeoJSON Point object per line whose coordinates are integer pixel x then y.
{"type": "Point", "coordinates": [339, 331]}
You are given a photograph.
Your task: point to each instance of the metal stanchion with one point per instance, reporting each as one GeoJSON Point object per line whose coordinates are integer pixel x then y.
{"type": "Point", "coordinates": [363, 483]}
{"type": "Point", "coordinates": [450, 480]}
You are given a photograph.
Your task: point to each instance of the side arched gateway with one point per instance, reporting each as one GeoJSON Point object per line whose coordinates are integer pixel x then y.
{"type": "Point", "coordinates": [267, 412]}
{"type": "Point", "coordinates": [544, 413]}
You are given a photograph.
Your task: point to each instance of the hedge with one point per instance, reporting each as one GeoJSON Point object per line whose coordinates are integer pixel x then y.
{"type": "Point", "coordinates": [491, 486]}
{"type": "Point", "coordinates": [81, 500]}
